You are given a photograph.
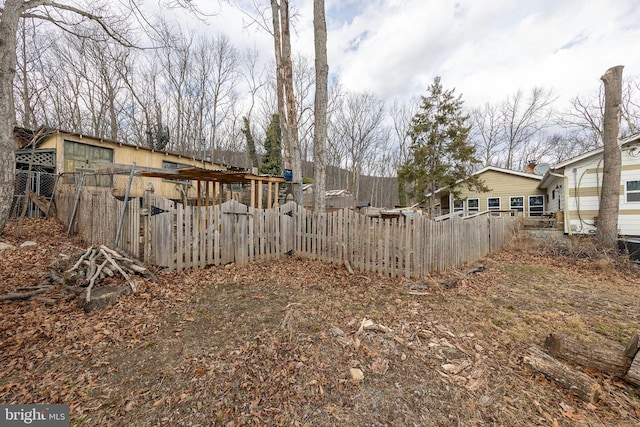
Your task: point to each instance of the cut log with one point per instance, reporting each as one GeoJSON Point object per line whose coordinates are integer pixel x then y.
{"type": "Point", "coordinates": [632, 347]}
{"type": "Point", "coordinates": [578, 383]}
{"type": "Point", "coordinates": [610, 361]}
{"type": "Point", "coordinates": [633, 375]}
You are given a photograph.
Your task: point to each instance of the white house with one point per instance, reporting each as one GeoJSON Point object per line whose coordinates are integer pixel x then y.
{"type": "Point", "coordinates": [573, 187]}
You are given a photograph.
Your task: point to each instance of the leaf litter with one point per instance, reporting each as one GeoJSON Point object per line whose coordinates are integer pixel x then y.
{"type": "Point", "coordinates": [299, 342]}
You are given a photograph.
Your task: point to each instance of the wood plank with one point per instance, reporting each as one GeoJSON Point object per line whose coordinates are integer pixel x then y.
{"type": "Point", "coordinates": [210, 232]}
{"type": "Point", "coordinates": [202, 212]}
{"type": "Point", "coordinates": [251, 242]}
{"type": "Point", "coordinates": [387, 251]}
{"type": "Point", "coordinates": [180, 237]}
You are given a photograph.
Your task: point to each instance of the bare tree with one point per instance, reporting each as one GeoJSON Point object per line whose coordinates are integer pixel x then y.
{"type": "Point", "coordinates": [522, 118]}
{"type": "Point", "coordinates": [401, 114]}
{"type": "Point", "coordinates": [175, 60]}
{"type": "Point", "coordinates": [67, 16]}
{"type": "Point", "coordinates": [562, 146]}
{"type": "Point", "coordinates": [360, 130]}
{"type": "Point", "coordinates": [607, 231]}
{"type": "Point", "coordinates": [320, 106]}
{"type": "Point", "coordinates": [487, 133]}
{"type": "Point", "coordinates": [286, 100]}
{"type": "Point", "coordinates": [29, 84]}
{"type": "Point", "coordinates": [585, 116]}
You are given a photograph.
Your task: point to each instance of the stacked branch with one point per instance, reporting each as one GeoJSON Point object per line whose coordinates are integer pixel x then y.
{"type": "Point", "coordinates": [101, 262]}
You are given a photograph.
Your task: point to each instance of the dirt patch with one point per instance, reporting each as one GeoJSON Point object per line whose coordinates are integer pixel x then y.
{"type": "Point", "coordinates": [273, 343]}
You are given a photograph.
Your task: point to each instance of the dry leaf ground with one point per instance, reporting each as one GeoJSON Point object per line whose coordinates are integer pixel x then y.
{"type": "Point", "coordinates": [276, 343]}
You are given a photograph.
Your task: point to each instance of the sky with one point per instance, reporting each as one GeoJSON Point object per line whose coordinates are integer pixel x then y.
{"type": "Point", "coordinates": [485, 49]}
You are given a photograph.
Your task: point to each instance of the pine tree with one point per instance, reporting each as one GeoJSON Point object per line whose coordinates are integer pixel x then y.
{"type": "Point", "coordinates": [440, 153]}
{"type": "Point", "coordinates": [272, 159]}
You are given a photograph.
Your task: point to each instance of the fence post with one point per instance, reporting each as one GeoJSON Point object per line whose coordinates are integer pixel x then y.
{"type": "Point", "coordinates": [146, 200]}
{"type": "Point", "coordinates": [53, 195]}
{"type": "Point", "coordinates": [124, 206]}
{"type": "Point", "coordinates": [75, 205]}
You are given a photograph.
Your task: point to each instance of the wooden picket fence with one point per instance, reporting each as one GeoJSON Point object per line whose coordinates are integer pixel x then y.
{"type": "Point", "coordinates": [179, 237]}
{"type": "Point", "coordinates": [399, 247]}
{"type": "Point", "coordinates": [97, 216]}
{"type": "Point", "coordinates": [183, 237]}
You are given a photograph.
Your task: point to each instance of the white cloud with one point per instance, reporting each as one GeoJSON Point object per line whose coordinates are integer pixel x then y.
{"type": "Point", "coordinates": [485, 49]}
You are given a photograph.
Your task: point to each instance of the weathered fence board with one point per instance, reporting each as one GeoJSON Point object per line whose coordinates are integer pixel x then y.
{"type": "Point", "coordinates": [97, 217]}
{"type": "Point", "coordinates": [181, 237]}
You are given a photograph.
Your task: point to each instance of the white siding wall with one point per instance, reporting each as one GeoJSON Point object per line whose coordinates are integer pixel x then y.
{"type": "Point", "coordinates": [585, 184]}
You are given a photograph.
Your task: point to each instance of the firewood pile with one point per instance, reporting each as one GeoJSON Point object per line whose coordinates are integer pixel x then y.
{"type": "Point", "coordinates": [100, 262]}
{"type": "Point", "coordinates": [84, 272]}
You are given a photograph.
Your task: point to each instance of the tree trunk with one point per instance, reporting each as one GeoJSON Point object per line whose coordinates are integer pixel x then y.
{"type": "Point", "coordinates": [581, 385]}
{"type": "Point", "coordinates": [609, 361]}
{"type": "Point", "coordinates": [8, 30]}
{"type": "Point", "coordinates": [282, 113]}
{"type": "Point", "coordinates": [320, 107]}
{"type": "Point", "coordinates": [607, 232]}
{"type": "Point", "coordinates": [290, 101]}
{"type": "Point", "coordinates": [285, 95]}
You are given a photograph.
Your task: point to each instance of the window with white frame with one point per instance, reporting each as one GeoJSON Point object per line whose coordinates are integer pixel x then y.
{"type": "Point", "coordinates": [536, 205]}
{"type": "Point", "coordinates": [493, 203]}
{"type": "Point", "coordinates": [473, 206]}
{"type": "Point", "coordinates": [516, 203]}
{"type": "Point", "coordinates": [458, 205]}
{"type": "Point", "coordinates": [632, 191]}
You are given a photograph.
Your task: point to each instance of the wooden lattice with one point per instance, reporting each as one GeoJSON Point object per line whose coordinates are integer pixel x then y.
{"type": "Point", "coordinates": [46, 158]}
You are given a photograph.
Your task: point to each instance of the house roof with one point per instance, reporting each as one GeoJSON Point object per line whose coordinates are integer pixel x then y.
{"type": "Point", "coordinates": [328, 193]}
{"type": "Point", "coordinates": [548, 179]}
{"type": "Point", "coordinates": [336, 193]}
{"type": "Point", "coordinates": [508, 171]}
{"type": "Point", "coordinates": [24, 137]}
{"type": "Point", "coordinates": [200, 174]}
{"type": "Point", "coordinates": [494, 169]}
{"type": "Point", "coordinates": [627, 141]}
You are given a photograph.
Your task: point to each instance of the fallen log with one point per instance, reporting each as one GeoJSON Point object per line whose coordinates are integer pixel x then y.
{"type": "Point", "coordinates": [609, 361]}
{"type": "Point", "coordinates": [633, 374]}
{"type": "Point", "coordinates": [632, 347]}
{"type": "Point", "coordinates": [578, 383]}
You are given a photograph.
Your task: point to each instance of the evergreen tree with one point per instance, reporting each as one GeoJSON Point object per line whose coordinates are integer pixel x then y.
{"type": "Point", "coordinates": [272, 159]}
{"type": "Point", "coordinates": [440, 153]}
